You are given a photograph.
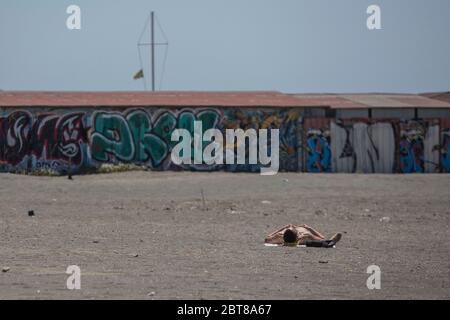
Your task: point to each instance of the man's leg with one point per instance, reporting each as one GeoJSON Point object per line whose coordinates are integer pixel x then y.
{"type": "Point", "coordinates": [304, 237]}
{"type": "Point", "coordinates": [324, 243]}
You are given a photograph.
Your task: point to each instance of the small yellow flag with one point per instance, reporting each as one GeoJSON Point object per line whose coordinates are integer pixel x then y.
{"type": "Point", "coordinates": [139, 74]}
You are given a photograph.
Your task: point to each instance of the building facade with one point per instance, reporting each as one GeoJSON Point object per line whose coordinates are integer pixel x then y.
{"type": "Point", "coordinates": [81, 132]}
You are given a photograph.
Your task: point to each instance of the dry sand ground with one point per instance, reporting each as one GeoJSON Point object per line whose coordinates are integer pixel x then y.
{"type": "Point", "coordinates": [186, 250]}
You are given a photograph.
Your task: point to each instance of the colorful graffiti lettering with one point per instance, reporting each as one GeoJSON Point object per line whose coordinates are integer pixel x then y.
{"type": "Point", "coordinates": [134, 137]}
{"type": "Point", "coordinates": [318, 151]}
{"type": "Point", "coordinates": [412, 149]}
{"type": "Point", "coordinates": [61, 137]}
{"type": "Point", "coordinates": [24, 137]}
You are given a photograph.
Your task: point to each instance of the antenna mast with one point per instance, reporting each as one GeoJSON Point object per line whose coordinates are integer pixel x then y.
{"type": "Point", "coordinates": [152, 25]}
{"type": "Point", "coordinates": [152, 45]}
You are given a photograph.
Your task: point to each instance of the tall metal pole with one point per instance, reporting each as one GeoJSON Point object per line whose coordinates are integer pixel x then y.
{"type": "Point", "coordinates": [153, 48]}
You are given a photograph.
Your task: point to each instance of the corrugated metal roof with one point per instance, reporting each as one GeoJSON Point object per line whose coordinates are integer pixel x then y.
{"type": "Point", "coordinates": [329, 100]}
{"type": "Point", "coordinates": [374, 100]}
{"type": "Point", "coordinates": [396, 101]}
{"type": "Point", "coordinates": [160, 98]}
{"type": "Point", "coordinates": [442, 96]}
{"type": "Point", "coordinates": [215, 99]}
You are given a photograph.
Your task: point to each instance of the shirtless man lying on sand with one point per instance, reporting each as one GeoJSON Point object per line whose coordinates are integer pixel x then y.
{"type": "Point", "coordinates": [292, 235]}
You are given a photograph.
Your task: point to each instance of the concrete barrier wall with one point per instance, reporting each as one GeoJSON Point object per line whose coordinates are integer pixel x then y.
{"type": "Point", "coordinates": [84, 139]}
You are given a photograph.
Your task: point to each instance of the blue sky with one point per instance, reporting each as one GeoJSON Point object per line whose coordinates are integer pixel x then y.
{"type": "Point", "coordinates": [285, 45]}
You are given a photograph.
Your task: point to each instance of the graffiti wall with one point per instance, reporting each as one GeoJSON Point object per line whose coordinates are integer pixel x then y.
{"type": "Point", "coordinates": [375, 146]}
{"type": "Point", "coordinates": [78, 140]}
{"type": "Point", "coordinates": [63, 139]}
{"type": "Point", "coordinates": [386, 146]}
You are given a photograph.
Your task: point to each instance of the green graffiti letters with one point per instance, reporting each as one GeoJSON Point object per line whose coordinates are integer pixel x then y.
{"type": "Point", "coordinates": [112, 136]}
{"type": "Point", "coordinates": [132, 137]}
{"type": "Point", "coordinates": [147, 145]}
